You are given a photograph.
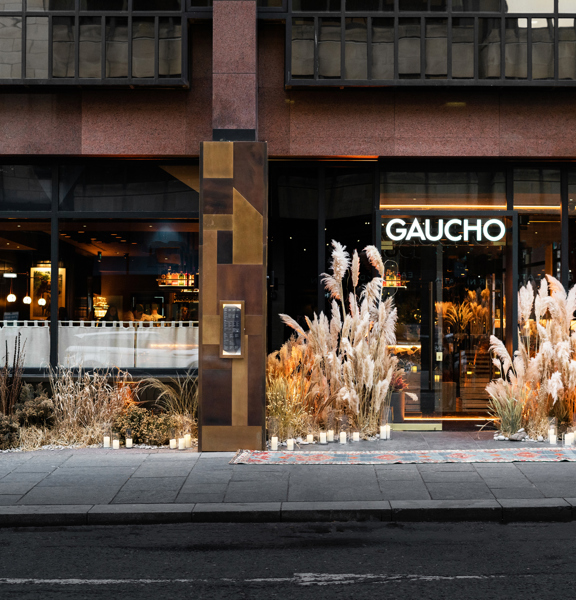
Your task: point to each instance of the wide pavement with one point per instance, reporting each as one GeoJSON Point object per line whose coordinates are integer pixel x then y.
{"type": "Point", "coordinates": [87, 486]}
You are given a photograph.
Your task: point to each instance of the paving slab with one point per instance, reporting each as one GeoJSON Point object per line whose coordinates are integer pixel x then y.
{"type": "Point", "coordinates": [446, 510]}
{"type": "Point", "coordinates": [459, 490]}
{"type": "Point", "coordinates": [237, 513]}
{"type": "Point", "coordinates": [336, 511]}
{"type": "Point", "coordinates": [73, 495]}
{"type": "Point", "coordinates": [141, 514]}
{"type": "Point", "coordinates": [535, 509]}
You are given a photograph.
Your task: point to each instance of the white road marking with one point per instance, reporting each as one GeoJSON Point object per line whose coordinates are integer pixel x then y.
{"type": "Point", "coordinates": [302, 579]}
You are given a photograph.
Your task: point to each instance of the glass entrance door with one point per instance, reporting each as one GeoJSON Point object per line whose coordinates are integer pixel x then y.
{"type": "Point", "coordinates": [448, 279]}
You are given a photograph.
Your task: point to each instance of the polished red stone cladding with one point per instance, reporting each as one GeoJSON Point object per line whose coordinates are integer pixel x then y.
{"type": "Point", "coordinates": [522, 123]}
{"type": "Point", "coordinates": [234, 92]}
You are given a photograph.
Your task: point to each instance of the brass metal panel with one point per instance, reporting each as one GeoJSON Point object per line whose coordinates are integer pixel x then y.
{"type": "Point", "coordinates": [217, 222]}
{"type": "Point", "coordinates": [254, 325]}
{"type": "Point", "coordinates": [240, 389]}
{"type": "Point", "coordinates": [229, 439]}
{"type": "Point", "coordinates": [248, 248]}
{"type": "Point", "coordinates": [256, 380]}
{"type": "Point", "coordinates": [210, 330]}
{"type": "Point", "coordinates": [211, 358]}
{"type": "Point", "coordinates": [188, 174]}
{"type": "Point", "coordinates": [208, 275]}
{"type": "Point", "coordinates": [218, 160]}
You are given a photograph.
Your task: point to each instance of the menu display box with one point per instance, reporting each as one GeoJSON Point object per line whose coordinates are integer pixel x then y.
{"type": "Point", "coordinates": [232, 329]}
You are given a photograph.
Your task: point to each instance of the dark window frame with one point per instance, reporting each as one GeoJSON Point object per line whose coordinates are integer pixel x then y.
{"type": "Point", "coordinates": [129, 81]}
{"type": "Point", "coordinates": [422, 80]}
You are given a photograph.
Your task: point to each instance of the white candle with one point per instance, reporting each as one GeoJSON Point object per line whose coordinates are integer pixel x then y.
{"type": "Point", "coordinates": [330, 435]}
{"type": "Point", "coordinates": [382, 432]}
{"type": "Point", "coordinates": [388, 432]}
{"type": "Point", "coordinates": [274, 443]}
{"type": "Point", "coordinates": [173, 444]}
{"type": "Point", "coordinates": [310, 438]}
{"type": "Point", "coordinates": [323, 437]}
{"type": "Point", "coordinates": [569, 438]}
{"type": "Point", "coordinates": [181, 444]}
{"type": "Point", "coordinates": [116, 444]}
{"type": "Point", "coordinates": [552, 438]}
{"type": "Point", "coordinates": [356, 436]}
{"type": "Point", "coordinates": [290, 444]}
{"type": "Point", "coordinates": [343, 437]}
{"type": "Point", "coordinates": [128, 442]}
{"type": "Point", "coordinates": [188, 440]}
{"type": "Point", "coordinates": [106, 441]}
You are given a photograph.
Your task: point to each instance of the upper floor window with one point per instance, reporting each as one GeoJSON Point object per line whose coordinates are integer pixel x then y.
{"type": "Point", "coordinates": [126, 42]}
{"type": "Point", "coordinates": [432, 42]}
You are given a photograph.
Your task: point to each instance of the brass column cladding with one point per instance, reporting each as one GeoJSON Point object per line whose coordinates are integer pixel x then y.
{"type": "Point", "coordinates": [247, 248]}
{"type": "Point", "coordinates": [232, 391]}
{"type": "Point", "coordinates": [218, 160]}
{"type": "Point", "coordinates": [240, 388]}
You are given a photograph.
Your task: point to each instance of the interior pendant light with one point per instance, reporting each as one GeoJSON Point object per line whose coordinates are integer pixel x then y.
{"type": "Point", "coordinates": [11, 296]}
{"type": "Point", "coordinates": [27, 299]}
{"type": "Point", "coordinates": [42, 301]}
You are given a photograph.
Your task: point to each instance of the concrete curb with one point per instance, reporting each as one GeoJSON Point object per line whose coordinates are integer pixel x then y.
{"type": "Point", "coordinates": [503, 511]}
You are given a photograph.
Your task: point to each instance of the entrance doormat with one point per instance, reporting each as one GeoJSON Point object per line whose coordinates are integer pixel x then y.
{"type": "Point", "coordinates": [549, 454]}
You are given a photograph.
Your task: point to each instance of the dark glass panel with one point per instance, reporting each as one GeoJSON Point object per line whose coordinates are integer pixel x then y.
{"type": "Point", "coordinates": [116, 47]}
{"type": "Point", "coordinates": [130, 294]}
{"type": "Point", "coordinates": [10, 47]}
{"type": "Point", "coordinates": [566, 49]}
{"type": "Point", "coordinates": [436, 48]}
{"type": "Point", "coordinates": [409, 48]}
{"type": "Point", "coordinates": [463, 48]}
{"type": "Point", "coordinates": [489, 48]}
{"type": "Point", "coordinates": [542, 48]}
{"type": "Point", "coordinates": [24, 187]}
{"type": "Point", "coordinates": [151, 5]}
{"type": "Point", "coordinates": [143, 47]}
{"type": "Point", "coordinates": [130, 186]}
{"type": "Point", "coordinates": [423, 5]}
{"type": "Point", "coordinates": [316, 5]}
{"type": "Point", "coordinates": [515, 58]}
{"type": "Point", "coordinates": [269, 3]}
{"type": "Point", "coordinates": [63, 60]}
{"type": "Point", "coordinates": [476, 5]}
{"type": "Point", "coordinates": [382, 49]}
{"type": "Point", "coordinates": [537, 189]}
{"type": "Point", "coordinates": [370, 5]}
{"type": "Point", "coordinates": [303, 48]}
{"type": "Point", "coordinates": [464, 190]}
{"type": "Point", "coordinates": [107, 5]}
{"type": "Point", "coordinates": [329, 44]}
{"type": "Point", "coordinates": [90, 51]}
{"type": "Point", "coordinates": [170, 47]}
{"type": "Point", "coordinates": [37, 47]}
{"type": "Point", "coordinates": [356, 57]}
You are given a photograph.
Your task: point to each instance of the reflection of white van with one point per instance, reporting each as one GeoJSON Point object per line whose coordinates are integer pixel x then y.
{"type": "Point", "coordinates": [130, 347]}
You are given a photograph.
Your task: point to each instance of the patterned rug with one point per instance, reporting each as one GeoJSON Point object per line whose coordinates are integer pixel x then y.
{"type": "Point", "coordinates": [547, 454]}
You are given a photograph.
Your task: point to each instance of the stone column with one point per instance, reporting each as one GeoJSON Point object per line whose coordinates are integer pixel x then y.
{"type": "Point", "coordinates": [235, 80]}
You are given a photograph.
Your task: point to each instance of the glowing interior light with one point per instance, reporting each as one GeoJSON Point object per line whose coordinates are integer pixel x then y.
{"type": "Point", "coordinates": [42, 301]}
{"type": "Point", "coordinates": [11, 298]}
{"type": "Point", "coordinates": [27, 300]}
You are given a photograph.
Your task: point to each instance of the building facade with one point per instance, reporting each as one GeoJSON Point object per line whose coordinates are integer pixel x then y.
{"type": "Point", "coordinates": [174, 171]}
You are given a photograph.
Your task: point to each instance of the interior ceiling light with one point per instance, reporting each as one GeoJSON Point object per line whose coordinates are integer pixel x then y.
{"type": "Point", "coordinates": [42, 301]}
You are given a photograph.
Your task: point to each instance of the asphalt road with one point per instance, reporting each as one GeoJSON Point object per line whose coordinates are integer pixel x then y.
{"type": "Point", "coordinates": [285, 561]}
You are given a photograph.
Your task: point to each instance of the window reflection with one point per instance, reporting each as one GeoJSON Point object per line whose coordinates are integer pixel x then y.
{"type": "Point", "coordinates": [409, 48]}
{"type": "Point", "coordinates": [63, 47]}
{"type": "Point", "coordinates": [356, 58]}
{"type": "Point", "coordinates": [303, 48]}
{"type": "Point", "coordinates": [529, 6]}
{"type": "Point", "coordinates": [542, 48]}
{"type": "Point", "coordinates": [10, 5]}
{"type": "Point", "coordinates": [516, 59]}
{"type": "Point", "coordinates": [566, 49]}
{"type": "Point", "coordinates": [436, 48]}
{"type": "Point", "coordinates": [476, 5]}
{"type": "Point", "coordinates": [462, 48]}
{"type": "Point", "coordinates": [90, 51]}
{"type": "Point", "coordinates": [116, 47]}
{"type": "Point", "coordinates": [329, 45]}
{"type": "Point", "coordinates": [143, 47]}
{"type": "Point", "coordinates": [382, 48]}
{"type": "Point", "coordinates": [11, 47]}
{"type": "Point", "coordinates": [537, 188]}
{"type": "Point", "coordinates": [37, 47]}
{"type": "Point", "coordinates": [170, 48]}
{"type": "Point", "coordinates": [25, 187]}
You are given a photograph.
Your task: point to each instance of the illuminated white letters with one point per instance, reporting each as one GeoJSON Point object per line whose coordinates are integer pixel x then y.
{"type": "Point", "coordinates": [494, 238]}
{"type": "Point", "coordinates": [452, 238]}
{"type": "Point", "coordinates": [455, 230]}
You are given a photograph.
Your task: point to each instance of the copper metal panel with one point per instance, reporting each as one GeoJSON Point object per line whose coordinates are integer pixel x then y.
{"type": "Point", "coordinates": [219, 222]}
{"type": "Point", "coordinates": [208, 282]}
{"type": "Point", "coordinates": [218, 160]}
{"type": "Point", "coordinates": [240, 388]}
{"type": "Point", "coordinates": [254, 325]}
{"type": "Point", "coordinates": [217, 197]}
{"type": "Point", "coordinates": [256, 380]}
{"type": "Point", "coordinates": [242, 281]}
{"type": "Point", "coordinates": [211, 358]}
{"type": "Point", "coordinates": [210, 329]}
{"type": "Point", "coordinates": [250, 173]}
{"type": "Point", "coordinates": [229, 439]}
{"type": "Point", "coordinates": [248, 248]}
{"type": "Point", "coordinates": [216, 394]}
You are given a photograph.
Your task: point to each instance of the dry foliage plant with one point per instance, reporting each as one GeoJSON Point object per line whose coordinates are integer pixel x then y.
{"type": "Point", "coordinates": [86, 404]}
{"type": "Point", "coordinates": [178, 396]}
{"type": "Point", "coordinates": [346, 359]}
{"type": "Point", "coordinates": [11, 377]}
{"type": "Point", "coordinates": [541, 377]}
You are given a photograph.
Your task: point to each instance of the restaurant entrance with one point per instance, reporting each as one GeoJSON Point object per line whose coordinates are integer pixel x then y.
{"type": "Point", "coordinates": [450, 277]}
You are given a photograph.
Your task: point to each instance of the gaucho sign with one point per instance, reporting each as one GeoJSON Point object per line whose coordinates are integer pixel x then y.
{"type": "Point", "coordinates": [454, 230]}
